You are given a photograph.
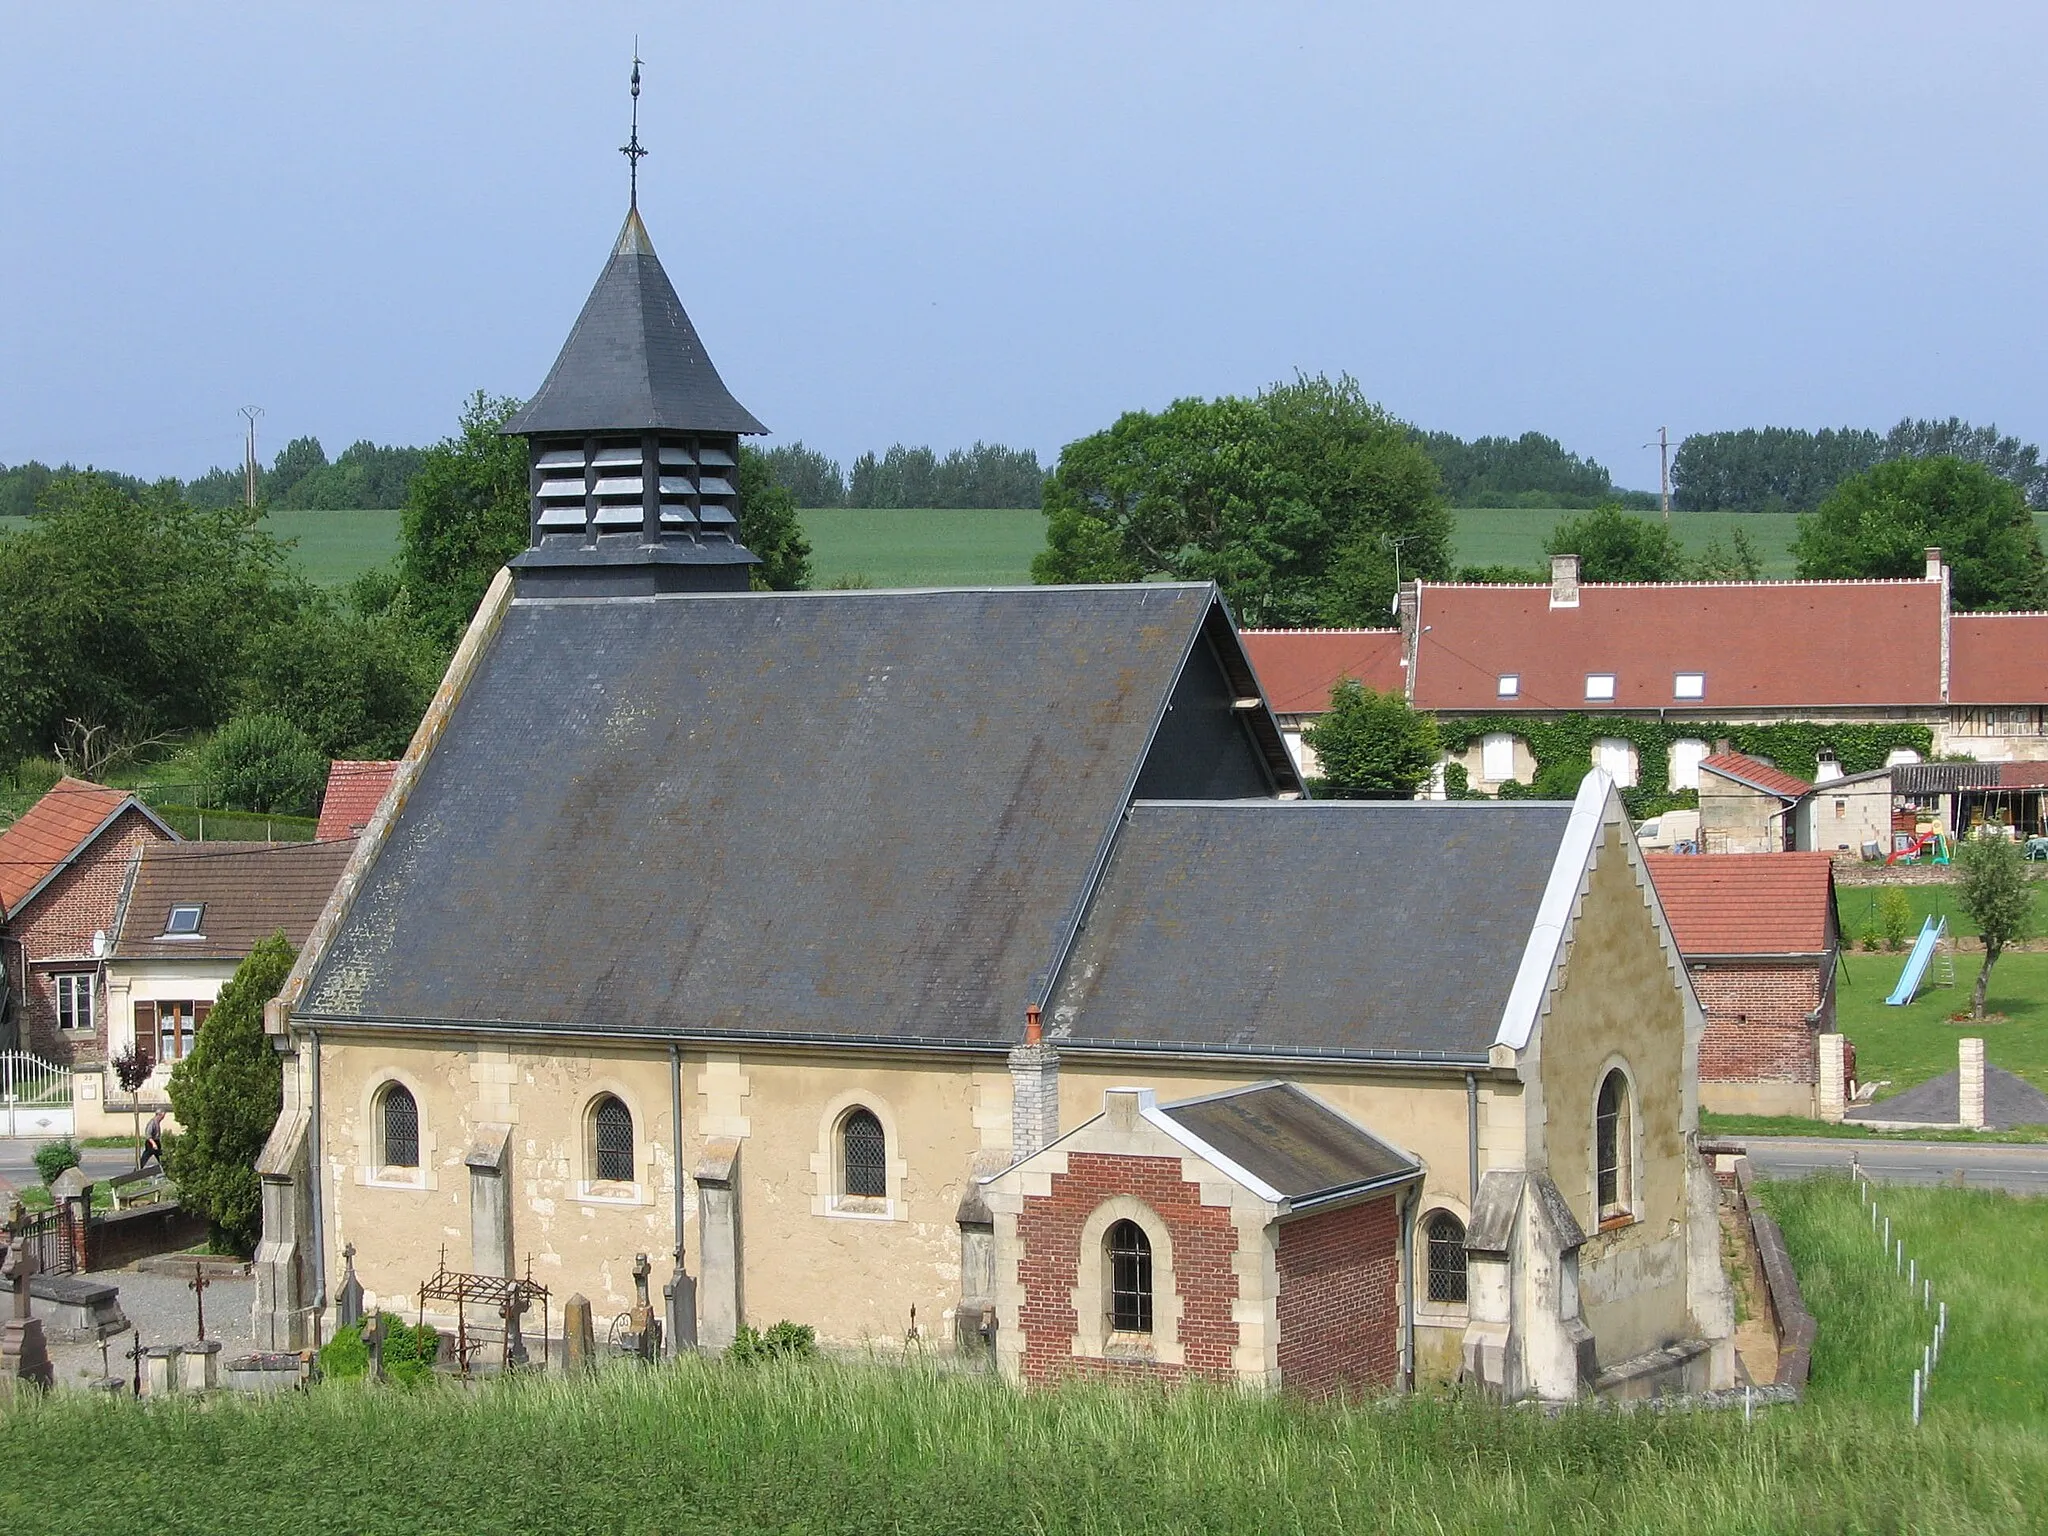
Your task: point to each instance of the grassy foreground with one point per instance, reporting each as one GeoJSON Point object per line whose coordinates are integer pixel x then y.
{"type": "Point", "coordinates": [843, 1448]}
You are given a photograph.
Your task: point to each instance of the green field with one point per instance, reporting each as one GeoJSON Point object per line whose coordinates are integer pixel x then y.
{"type": "Point", "coordinates": [886, 547]}
{"type": "Point", "coordinates": [1514, 536]}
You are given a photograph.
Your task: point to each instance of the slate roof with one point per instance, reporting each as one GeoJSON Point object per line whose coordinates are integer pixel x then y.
{"type": "Point", "coordinates": [857, 815]}
{"type": "Point", "coordinates": [1388, 928]}
{"type": "Point", "coordinates": [1291, 1141]}
{"type": "Point", "coordinates": [1757, 774]}
{"type": "Point", "coordinates": [249, 891]}
{"type": "Point", "coordinates": [1760, 645]}
{"type": "Point", "coordinates": [2009, 1100]}
{"type": "Point", "coordinates": [1998, 658]}
{"type": "Point", "coordinates": [634, 361]}
{"type": "Point", "coordinates": [354, 791]}
{"type": "Point", "coordinates": [1745, 903]}
{"type": "Point", "coordinates": [1299, 668]}
{"type": "Point", "coordinates": [55, 830]}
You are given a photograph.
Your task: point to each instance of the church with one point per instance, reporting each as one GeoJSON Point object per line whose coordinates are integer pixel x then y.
{"type": "Point", "coordinates": [967, 970]}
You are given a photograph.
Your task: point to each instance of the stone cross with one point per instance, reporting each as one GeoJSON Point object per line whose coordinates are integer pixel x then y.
{"type": "Point", "coordinates": [349, 1302]}
{"type": "Point", "coordinates": [21, 1268]}
{"type": "Point", "coordinates": [374, 1337]}
{"type": "Point", "coordinates": [512, 1311]}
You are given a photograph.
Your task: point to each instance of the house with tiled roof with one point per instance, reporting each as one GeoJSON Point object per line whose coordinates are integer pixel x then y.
{"type": "Point", "coordinates": [1717, 653]}
{"type": "Point", "coordinates": [1761, 940]}
{"type": "Point", "coordinates": [354, 791]}
{"type": "Point", "coordinates": [1748, 805]}
{"type": "Point", "coordinates": [61, 866]}
{"type": "Point", "coordinates": [189, 915]}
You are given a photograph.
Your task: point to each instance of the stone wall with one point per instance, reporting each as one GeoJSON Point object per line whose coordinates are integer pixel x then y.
{"type": "Point", "coordinates": [1340, 1300]}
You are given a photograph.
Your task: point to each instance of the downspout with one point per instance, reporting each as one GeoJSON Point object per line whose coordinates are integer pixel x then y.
{"type": "Point", "coordinates": [680, 1292]}
{"type": "Point", "coordinates": [1409, 1201]}
{"type": "Point", "coordinates": [675, 1110]}
{"type": "Point", "coordinates": [315, 1163]}
{"type": "Point", "coordinates": [1472, 1141]}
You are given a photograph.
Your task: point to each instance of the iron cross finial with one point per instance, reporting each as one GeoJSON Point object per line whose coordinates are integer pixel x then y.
{"type": "Point", "coordinates": [632, 149]}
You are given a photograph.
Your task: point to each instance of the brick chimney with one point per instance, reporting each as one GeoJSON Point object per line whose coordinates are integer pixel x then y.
{"type": "Point", "coordinates": [1934, 562]}
{"type": "Point", "coordinates": [1564, 581]}
{"type": "Point", "coordinates": [1034, 1091]}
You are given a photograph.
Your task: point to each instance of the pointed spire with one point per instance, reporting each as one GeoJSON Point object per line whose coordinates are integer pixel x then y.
{"type": "Point", "coordinates": [631, 148]}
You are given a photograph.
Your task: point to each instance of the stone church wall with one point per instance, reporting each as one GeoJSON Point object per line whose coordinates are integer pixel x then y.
{"type": "Point", "coordinates": [1617, 1007]}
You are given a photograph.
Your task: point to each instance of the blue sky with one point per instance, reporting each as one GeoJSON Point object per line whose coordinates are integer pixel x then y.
{"type": "Point", "coordinates": [941, 222]}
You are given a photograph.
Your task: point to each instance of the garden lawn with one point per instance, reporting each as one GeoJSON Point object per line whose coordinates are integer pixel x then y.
{"type": "Point", "coordinates": [1985, 1253]}
{"type": "Point", "coordinates": [1856, 905]}
{"type": "Point", "coordinates": [1908, 1045]}
{"type": "Point", "coordinates": [709, 1447]}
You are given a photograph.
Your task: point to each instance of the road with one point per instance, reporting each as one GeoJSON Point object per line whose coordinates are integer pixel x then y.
{"type": "Point", "coordinates": [2017, 1168]}
{"type": "Point", "coordinates": [18, 1161]}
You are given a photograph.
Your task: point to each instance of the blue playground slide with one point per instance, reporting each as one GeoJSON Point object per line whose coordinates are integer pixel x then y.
{"type": "Point", "coordinates": [1916, 963]}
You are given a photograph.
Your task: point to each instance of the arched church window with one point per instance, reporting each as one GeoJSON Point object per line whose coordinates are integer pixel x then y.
{"type": "Point", "coordinates": [1446, 1235]}
{"type": "Point", "coordinates": [1130, 1278]}
{"type": "Point", "coordinates": [398, 1114]}
{"type": "Point", "coordinates": [863, 1156]}
{"type": "Point", "coordinates": [1613, 1142]}
{"type": "Point", "coordinates": [611, 1134]}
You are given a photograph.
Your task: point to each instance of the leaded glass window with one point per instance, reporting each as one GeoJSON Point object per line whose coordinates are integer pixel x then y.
{"type": "Point", "coordinates": [1130, 1278]}
{"type": "Point", "coordinates": [864, 1156]}
{"type": "Point", "coordinates": [1611, 1138]}
{"type": "Point", "coordinates": [612, 1125]}
{"type": "Point", "coordinates": [401, 1117]}
{"type": "Point", "coordinates": [1446, 1259]}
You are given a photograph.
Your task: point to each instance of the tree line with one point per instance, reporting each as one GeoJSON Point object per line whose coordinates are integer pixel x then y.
{"type": "Point", "coordinates": [987, 475]}
{"type": "Point", "coordinates": [134, 621]}
{"type": "Point", "coordinates": [1786, 469]}
{"type": "Point", "coordinates": [1527, 471]}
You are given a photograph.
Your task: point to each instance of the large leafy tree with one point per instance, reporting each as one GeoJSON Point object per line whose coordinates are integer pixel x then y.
{"type": "Point", "coordinates": [1613, 546]}
{"type": "Point", "coordinates": [770, 527]}
{"type": "Point", "coordinates": [355, 681]}
{"type": "Point", "coordinates": [465, 516]}
{"type": "Point", "coordinates": [226, 1095]}
{"type": "Point", "coordinates": [1372, 746]}
{"type": "Point", "coordinates": [1879, 523]}
{"type": "Point", "coordinates": [129, 611]}
{"type": "Point", "coordinates": [1299, 503]}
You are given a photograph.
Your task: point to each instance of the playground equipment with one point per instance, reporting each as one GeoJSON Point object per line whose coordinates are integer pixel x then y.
{"type": "Point", "coordinates": [1915, 973]}
{"type": "Point", "coordinates": [1927, 848]}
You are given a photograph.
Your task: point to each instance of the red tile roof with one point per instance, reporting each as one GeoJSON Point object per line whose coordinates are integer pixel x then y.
{"type": "Point", "coordinates": [1754, 770]}
{"type": "Point", "coordinates": [1998, 658]}
{"type": "Point", "coordinates": [1745, 903]}
{"type": "Point", "coordinates": [52, 832]}
{"type": "Point", "coordinates": [2023, 775]}
{"type": "Point", "coordinates": [1300, 668]}
{"type": "Point", "coordinates": [354, 790]}
{"type": "Point", "coordinates": [1759, 645]}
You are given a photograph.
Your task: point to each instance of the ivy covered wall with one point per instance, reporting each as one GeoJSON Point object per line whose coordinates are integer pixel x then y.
{"type": "Point", "coordinates": [1563, 748]}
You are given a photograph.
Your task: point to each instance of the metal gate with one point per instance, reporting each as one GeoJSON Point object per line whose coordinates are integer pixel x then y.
{"type": "Point", "coordinates": [35, 1096]}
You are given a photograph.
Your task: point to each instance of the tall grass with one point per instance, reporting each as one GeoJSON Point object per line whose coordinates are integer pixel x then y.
{"type": "Point", "coordinates": [708, 1447]}
{"type": "Point", "coordinates": [1986, 1254]}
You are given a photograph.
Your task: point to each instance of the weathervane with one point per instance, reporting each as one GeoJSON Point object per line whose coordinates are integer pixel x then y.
{"type": "Point", "coordinates": [631, 148]}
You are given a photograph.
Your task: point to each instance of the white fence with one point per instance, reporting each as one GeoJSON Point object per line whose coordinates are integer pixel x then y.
{"type": "Point", "coordinates": [35, 1096]}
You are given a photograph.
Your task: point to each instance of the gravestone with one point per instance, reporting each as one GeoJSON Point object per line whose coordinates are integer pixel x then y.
{"type": "Point", "coordinates": [579, 1338]}
{"type": "Point", "coordinates": [24, 1353]}
{"type": "Point", "coordinates": [349, 1302]}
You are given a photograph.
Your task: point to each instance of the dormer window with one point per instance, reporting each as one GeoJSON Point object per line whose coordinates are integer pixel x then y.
{"type": "Point", "coordinates": [1509, 686]}
{"type": "Point", "coordinates": [1600, 686]}
{"type": "Point", "coordinates": [1689, 685]}
{"type": "Point", "coordinates": [184, 919]}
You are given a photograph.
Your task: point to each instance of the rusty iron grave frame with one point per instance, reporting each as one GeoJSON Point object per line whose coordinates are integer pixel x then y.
{"type": "Point", "coordinates": [494, 1291]}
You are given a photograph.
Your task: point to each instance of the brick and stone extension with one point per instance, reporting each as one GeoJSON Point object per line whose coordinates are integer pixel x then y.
{"type": "Point", "coordinates": [1200, 1276]}
{"type": "Point", "coordinates": [1758, 1036]}
{"type": "Point", "coordinates": [1340, 1300]}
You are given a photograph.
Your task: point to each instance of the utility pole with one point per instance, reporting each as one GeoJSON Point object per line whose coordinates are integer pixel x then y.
{"type": "Point", "coordinates": [249, 470]}
{"type": "Point", "coordinates": [1664, 472]}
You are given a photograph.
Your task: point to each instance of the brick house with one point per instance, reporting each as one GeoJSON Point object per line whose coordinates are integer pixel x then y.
{"type": "Point", "coordinates": [1760, 936]}
{"type": "Point", "coordinates": [61, 870]}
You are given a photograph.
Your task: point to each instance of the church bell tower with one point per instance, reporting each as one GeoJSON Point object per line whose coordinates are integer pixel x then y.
{"type": "Point", "coordinates": [633, 441]}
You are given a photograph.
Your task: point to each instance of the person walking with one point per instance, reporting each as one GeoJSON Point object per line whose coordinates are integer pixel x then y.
{"type": "Point", "coordinates": [152, 1143]}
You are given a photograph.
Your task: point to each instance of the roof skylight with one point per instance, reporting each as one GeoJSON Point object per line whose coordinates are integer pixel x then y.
{"type": "Point", "coordinates": [184, 917]}
{"type": "Point", "coordinates": [1600, 685]}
